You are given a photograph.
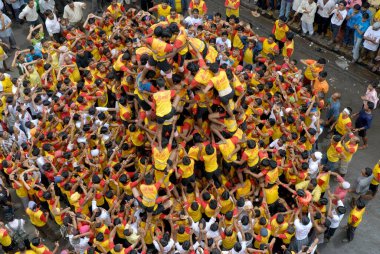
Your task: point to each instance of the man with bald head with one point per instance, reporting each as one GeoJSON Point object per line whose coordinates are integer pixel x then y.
{"type": "Point", "coordinates": [333, 109]}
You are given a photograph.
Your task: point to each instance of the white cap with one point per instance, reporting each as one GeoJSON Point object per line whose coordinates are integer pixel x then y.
{"type": "Point", "coordinates": [346, 185]}
{"type": "Point", "coordinates": [318, 155]}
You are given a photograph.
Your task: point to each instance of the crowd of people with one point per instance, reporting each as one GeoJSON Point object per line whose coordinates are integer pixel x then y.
{"type": "Point", "coordinates": [352, 25]}
{"type": "Point", "coordinates": [147, 131]}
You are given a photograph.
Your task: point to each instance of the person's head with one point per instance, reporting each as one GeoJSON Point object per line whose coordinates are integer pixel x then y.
{"type": "Point", "coordinates": [356, 8]}
{"type": "Point", "coordinates": [71, 4]}
{"type": "Point", "coordinates": [368, 105]}
{"type": "Point", "coordinates": [346, 111]}
{"type": "Point", "coordinates": [282, 21]}
{"type": "Point", "coordinates": [360, 204]}
{"type": "Point", "coordinates": [195, 13]}
{"type": "Point", "coordinates": [335, 139]}
{"type": "Point", "coordinates": [335, 96]}
{"type": "Point", "coordinates": [321, 62]}
{"type": "Point", "coordinates": [271, 38]}
{"type": "Point", "coordinates": [342, 5]}
{"type": "Point", "coordinates": [289, 36]}
{"type": "Point", "coordinates": [376, 26]}
{"type": "Point", "coordinates": [305, 220]}
{"type": "Point", "coordinates": [49, 14]}
{"type": "Point", "coordinates": [31, 3]}
{"type": "Point", "coordinates": [322, 76]}
{"type": "Point", "coordinates": [341, 210]}
{"type": "Point", "coordinates": [367, 172]}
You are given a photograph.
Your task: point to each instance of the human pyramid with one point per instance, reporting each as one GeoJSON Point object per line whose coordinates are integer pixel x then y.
{"type": "Point", "coordinates": [137, 134]}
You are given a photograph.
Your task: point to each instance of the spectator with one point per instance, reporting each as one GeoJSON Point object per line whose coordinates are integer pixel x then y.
{"type": "Point", "coordinates": [6, 33]}
{"type": "Point", "coordinates": [53, 26]}
{"type": "Point", "coordinates": [73, 13]}
{"type": "Point", "coordinates": [29, 13]}
{"type": "Point", "coordinates": [286, 5]}
{"type": "Point", "coordinates": [308, 9]}
{"type": "Point", "coordinates": [323, 16]}
{"type": "Point", "coordinates": [371, 94]}
{"type": "Point", "coordinates": [354, 16]}
{"type": "Point", "coordinates": [46, 5]}
{"type": "Point", "coordinates": [339, 14]}
{"type": "Point", "coordinates": [16, 6]}
{"type": "Point", "coordinates": [223, 43]}
{"type": "Point", "coordinates": [371, 43]}
{"type": "Point", "coordinates": [360, 27]}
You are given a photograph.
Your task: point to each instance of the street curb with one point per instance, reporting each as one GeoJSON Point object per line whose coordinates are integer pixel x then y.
{"type": "Point", "coordinates": [314, 40]}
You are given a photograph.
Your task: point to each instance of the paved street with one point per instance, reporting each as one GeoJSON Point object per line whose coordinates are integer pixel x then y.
{"type": "Point", "coordinates": [351, 83]}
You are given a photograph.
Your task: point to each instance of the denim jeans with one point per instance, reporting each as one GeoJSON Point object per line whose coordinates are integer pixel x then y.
{"type": "Point", "coordinates": [334, 30]}
{"type": "Point", "coordinates": [356, 49]}
{"type": "Point", "coordinates": [348, 35]}
{"type": "Point", "coordinates": [285, 8]}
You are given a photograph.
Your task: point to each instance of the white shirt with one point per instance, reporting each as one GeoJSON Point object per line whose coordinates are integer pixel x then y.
{"type": "Point", "coordinates": [74, 15]}
{"type": "Point", "coordinates": [275, 145]}
{"type": "Point", "coordinates": [336, 219]}
{"type": "Point", "coordinates": [14, 224]}
{"type": "Point", "coordinates": [53, 26]}
{"type": "Point", "coordinates": [30, 14]}
{"type": "Point", "coordinates": [190, 20]}
{"type": "Point", "coordinates": [335, 20]}
{"type": "Point", "coordinates": [310, 8]}
{"type": "Point", "coordinates": [313, 168]}
{"type": "Point", "coordinates": [223, 44]}
{"type": "Point", "coordinates": [81, 246]}
{"type": "Point", "coordinates": [46, 5]}
{"type": "Point", "coordinates": [324, 9]}
{"type": "Point", "coordinates": [167, 248]}
{"type": "Point", "coordinates": [370, 33]}
{"type": "Point", "coordinates": [301, 230]}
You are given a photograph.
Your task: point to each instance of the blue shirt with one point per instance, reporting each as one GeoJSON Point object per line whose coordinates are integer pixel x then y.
{"type": "Point", "coordinates": [362, 26]}
{"type": "Point", "coordinates": [354, 19]}
{"type": "Point", "coordinates": [364, 120]}
{"type": "Point", "coordinates": [334, 110]}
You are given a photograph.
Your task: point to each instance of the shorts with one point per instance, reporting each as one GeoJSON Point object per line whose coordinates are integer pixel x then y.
{"type": "Point", "coordinates": [254, 169]}
{"type": "Point", "coordinates": [179, 59]}
{"type": "Point", "coordinates": [373, 188]}
{"type": "Point", "coordinates": [162, 119]}
{"type": "Point", "coordinates": [226, 98]}
{"type": "Point", "coordinates": [143, 104]}
{"type": "Point", "coordinates": [362, 133]}
{"type": "Point", "coordinates": [202, 113]}
{"type": "Point", "coordinates": [188, 180]}
{"type": "Point", "coordinates": [163, 66]}
{"type": "Point", "coordinates": [211, 175]}
{"type": "Point", "coordinates": [343, 166]}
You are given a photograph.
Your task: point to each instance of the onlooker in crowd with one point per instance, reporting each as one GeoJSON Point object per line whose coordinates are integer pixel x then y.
{"type": "Point", "coordinates": [354, 16]}
{"type": "Point", "coordinates": [339, 14]}
{"type": "Point", "coordinates": [323, 15]}
{"type": "Point", "coordinates": [285, 8]}
{"type": "Point", "coordinates": [46, 5]}
{"type": "Point", "coordinates": [16, 6]}
{"type": "Point", "coordinates": [360, 27]}
{"type": "Point", "coordinates": [308, 9]}
{"type": "Point", "coordinates": [29, 13]}
{"type": "Point", "coordinates": [53, 26]}
{"type": "Point", "coordinates": [371, 42]}
{"type": "Point", "coordinates": [73, 13]}
{"type": "Point", "coordinates": [6, 33]}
